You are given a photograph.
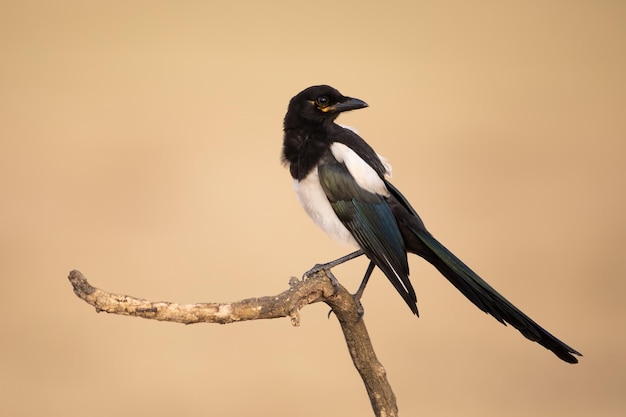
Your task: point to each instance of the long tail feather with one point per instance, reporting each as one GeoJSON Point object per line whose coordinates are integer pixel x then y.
{"type": "Point", "coordinates": [485, 297]}
{"type": "Point", "coordinates": [419, 241]}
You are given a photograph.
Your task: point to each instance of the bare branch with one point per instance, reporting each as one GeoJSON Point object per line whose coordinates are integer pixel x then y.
{"type": "Point", "coordinates": [284, 304]}
{"type": "Point", "coordinates": [321, 286]}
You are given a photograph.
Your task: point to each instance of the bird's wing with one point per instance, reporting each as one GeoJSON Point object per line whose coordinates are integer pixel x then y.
{"type": "Point", "coordinates": [370, 220]}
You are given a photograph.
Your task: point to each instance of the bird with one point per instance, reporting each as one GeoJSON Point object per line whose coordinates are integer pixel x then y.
{"type": "Point", "coordinates": [343, 185]}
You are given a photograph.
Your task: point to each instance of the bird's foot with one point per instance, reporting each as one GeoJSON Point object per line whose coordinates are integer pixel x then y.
{"type": "Point", "coordinates": [317, 268]}
{"type": "Point", "coordinates": [326, 269]}
{"type": "Point", "coordinates": [360, 309]}
{"type": "Point", "coordinates": [334, 281]}
{"type": "Point", "coordinates": [357, 299]}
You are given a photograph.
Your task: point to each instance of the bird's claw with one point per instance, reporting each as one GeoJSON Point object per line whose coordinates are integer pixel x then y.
{"type": "Point", "coordinates": [360, 309]}
{"type": "Point", "coordinates": [317, 268]}
{"type": "Point", "coordinates": [334, 281]}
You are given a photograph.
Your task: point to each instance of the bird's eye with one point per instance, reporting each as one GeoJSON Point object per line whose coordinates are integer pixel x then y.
{"type": "Point", "coordinates": [322, 101]}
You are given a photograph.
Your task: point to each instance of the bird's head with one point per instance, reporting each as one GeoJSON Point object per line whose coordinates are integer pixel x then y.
{"type": "Point", "coordinates": [319, 104]}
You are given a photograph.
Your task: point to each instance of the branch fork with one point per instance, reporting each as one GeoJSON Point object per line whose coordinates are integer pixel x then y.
{"type": "Point", "coordinates": [314, 287]}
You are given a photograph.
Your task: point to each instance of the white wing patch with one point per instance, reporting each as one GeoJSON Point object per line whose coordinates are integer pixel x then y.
{"type": "Point", "coordinates": [384, 160]}
{"type": "Point", "coordinates": [386, 164]}
{"type": "Point", "coordinates": [363, 174]}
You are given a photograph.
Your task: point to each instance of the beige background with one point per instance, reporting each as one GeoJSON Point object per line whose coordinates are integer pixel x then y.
{"type": "Point", "coordinates": [141, 143]}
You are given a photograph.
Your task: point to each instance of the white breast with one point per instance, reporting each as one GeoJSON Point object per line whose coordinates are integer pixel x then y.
{"type": "Point", "coordinates": [313, 199]}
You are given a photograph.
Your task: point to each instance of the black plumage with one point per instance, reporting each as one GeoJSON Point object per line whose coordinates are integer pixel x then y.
{"type": "Point", "coordinates": [341, 183]}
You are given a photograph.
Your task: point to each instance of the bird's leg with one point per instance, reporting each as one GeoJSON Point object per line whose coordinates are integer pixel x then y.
{"type": "Point", "coordinates": [332, 264]}
{"type": "Point", "coordinates": [359, 293]}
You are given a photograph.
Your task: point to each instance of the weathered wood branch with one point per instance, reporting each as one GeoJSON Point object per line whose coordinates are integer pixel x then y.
{"type": "Point", "coordinates": [321, 286]}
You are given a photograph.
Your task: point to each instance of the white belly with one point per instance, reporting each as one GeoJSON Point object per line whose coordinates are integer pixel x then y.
{"type": "Point", "coordinates": [313, 199]}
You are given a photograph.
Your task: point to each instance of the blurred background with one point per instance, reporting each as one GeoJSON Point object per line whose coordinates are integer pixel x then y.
{"type": "Point", "coordinates": [141, 145]}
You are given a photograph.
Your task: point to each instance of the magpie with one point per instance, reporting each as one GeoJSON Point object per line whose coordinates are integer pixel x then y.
{"type": "Point", "coordinates": [342, 184]}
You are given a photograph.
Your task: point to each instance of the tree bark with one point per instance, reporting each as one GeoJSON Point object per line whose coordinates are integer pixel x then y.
{"type": "Point", "coordinates": [320, 286]}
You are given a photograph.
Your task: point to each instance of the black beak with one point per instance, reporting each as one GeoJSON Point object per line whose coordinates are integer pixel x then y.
{"type": "Point", "coordinates": [348, 104]}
